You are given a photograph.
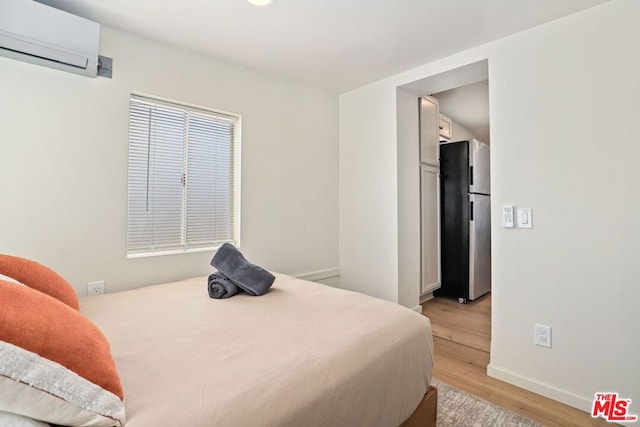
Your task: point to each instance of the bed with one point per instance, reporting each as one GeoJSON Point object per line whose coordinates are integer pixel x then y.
{"type": "Point", "coordinates": [303, 354]}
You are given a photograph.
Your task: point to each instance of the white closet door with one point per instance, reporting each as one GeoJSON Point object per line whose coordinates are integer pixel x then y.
{"type": "Point", "coordinates": [429, 131]}
{"type": "Point", "coordinates": [430, 227]}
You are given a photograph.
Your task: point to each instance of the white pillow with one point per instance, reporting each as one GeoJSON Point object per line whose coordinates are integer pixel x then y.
{"type": "Point", "coordinates": [62, 396]}
{"type": "Point", "coordinates": [11, 280]}
{"type": "Point", "coordinates": [15, 420]}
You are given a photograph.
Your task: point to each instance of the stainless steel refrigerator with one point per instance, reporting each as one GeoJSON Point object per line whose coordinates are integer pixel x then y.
{"type": "Point", "coordinates": [465, 212]}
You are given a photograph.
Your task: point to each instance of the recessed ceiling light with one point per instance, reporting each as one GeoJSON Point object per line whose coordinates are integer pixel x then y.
{"type": "Point", "coordinates": [261, 2]}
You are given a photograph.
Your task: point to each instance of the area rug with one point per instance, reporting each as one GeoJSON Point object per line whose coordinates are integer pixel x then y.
{"type": "Point", "coordinates": [457, 408]}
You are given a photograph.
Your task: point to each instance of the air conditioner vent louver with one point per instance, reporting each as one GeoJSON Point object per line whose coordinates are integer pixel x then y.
{"type": "Point", "coordinates": [35, 33]}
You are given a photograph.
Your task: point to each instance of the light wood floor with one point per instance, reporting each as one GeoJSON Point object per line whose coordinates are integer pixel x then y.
{"type": "Point", "coordinates": [462, 335]}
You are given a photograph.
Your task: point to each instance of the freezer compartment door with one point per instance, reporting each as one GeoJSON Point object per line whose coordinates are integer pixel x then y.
{"type": "Point", "coordinates": [479, 245]}
{"type": "Point", "coordinates": [454, 220]}
{"type": "Point", "coordinates": [479, 169]}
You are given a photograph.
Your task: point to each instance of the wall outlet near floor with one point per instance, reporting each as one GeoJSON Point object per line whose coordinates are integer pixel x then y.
{"type": "Point", "coordinates": [95, 288]}
{"type": "Point", "coordinates": [543, 336]}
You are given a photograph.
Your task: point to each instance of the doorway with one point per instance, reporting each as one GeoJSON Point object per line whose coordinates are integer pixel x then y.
{"type": "Point", "coordinates": [462, 95]}
{"type": "Point", "coordinates": [465, 112]}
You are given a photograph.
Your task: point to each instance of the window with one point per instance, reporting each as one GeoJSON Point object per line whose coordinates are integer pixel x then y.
{"type": "Point", "coordinates": [182, 178]}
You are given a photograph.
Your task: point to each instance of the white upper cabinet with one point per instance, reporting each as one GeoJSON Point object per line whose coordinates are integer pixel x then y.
{"type": "Point", "coordinates": [429, 131]}
{"type": "Point", "coordinates": [446, 127]}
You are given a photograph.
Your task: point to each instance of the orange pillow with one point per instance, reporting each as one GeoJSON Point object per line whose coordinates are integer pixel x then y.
{"type": "Point", "coordinates": [53, 355]}
{"type": "Point", "coordinates": [39, 277]}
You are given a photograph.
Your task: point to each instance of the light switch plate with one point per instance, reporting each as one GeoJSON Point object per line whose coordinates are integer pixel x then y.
{"type": "Point", "coordinates": [507, 216]}
{"type": "Point", "coordinates": [525, 220]}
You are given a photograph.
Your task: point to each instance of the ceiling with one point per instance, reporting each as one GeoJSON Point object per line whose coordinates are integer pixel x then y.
{"type": "Point", "coordinates": [334, 44]}
{"type": "Point", "coordinates": [469, 106]}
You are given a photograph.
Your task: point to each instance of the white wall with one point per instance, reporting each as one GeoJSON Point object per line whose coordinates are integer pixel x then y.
{"type": "Point", "coordinates": [408, 204]}
{"type": "Point", "coordinates": [63, 163]}
{"type": "Point", "coordinates": [461, 133]}
{"type": "Point", "coordinates": [368, 192]}
{"type": "Point", "coordinates": [564, 138]}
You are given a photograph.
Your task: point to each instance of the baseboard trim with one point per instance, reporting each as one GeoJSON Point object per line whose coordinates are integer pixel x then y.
{"type": "Point", "coordinates": [545, 390]}
{"type": "Point", "coordinates": [426, 297]}
{"type": "Point", "coordinates": [417, 309]}
{"type": "Point", "coordinates": [320, 275]}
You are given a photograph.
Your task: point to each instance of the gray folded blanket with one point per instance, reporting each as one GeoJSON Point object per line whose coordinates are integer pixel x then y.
{"type": "Point", "coordinates": [249, 277]}
{"type": "Point", "coordinates": [221, 287]}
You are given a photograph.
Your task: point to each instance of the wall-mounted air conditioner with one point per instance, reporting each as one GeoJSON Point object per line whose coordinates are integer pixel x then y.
{"type": "Point", "coordinates": [40, 34]}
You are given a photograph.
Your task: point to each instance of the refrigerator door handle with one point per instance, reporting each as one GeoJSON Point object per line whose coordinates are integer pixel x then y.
{"type": "Point", "coordinates": [470, 211]}
{"type": "Point", "coordinates": [471, 175]}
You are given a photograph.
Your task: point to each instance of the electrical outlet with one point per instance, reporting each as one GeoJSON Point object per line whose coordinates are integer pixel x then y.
{"type": "Point", "coordinates": [543, 336]}
{"type": "Point", "coordinates": [95, 288]}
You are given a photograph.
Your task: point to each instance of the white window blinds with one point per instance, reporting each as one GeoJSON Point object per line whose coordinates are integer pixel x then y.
{"type": "Point", "coordinates": [181, 178]}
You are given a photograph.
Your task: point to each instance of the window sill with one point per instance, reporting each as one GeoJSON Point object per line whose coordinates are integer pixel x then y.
{"type": "Point", "coordinates": [171, 252]}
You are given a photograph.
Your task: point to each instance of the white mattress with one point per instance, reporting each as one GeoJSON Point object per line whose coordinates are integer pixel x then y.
{"type": "Point", "coordinates": [304, 354]}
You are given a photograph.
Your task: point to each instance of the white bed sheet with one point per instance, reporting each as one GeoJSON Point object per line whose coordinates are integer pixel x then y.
{"type": "Point", "coordinates": [304, 354]}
